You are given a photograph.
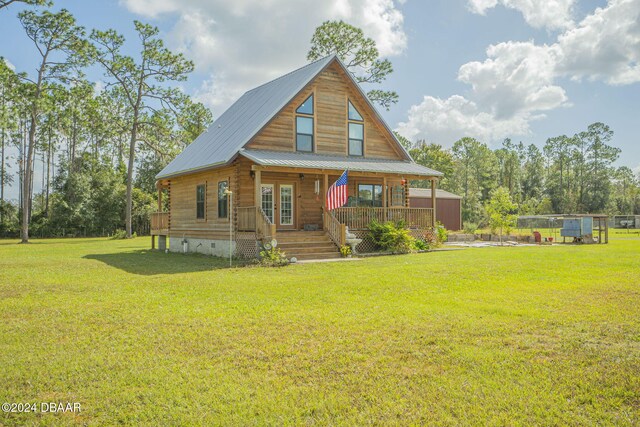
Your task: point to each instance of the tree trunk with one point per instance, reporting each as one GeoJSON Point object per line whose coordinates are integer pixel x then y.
{"type": "Point", "coordinates": [46, 204]}
{"type": "Point", "coordinates": [28, 177]}
{"type": "Point", "coordinates": [132, 153]}
{"type": "Point", "coordinates": [2, 176]}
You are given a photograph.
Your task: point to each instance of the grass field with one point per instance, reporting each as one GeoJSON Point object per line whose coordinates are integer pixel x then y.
{"type": "Point", "coordinates": [493, 336]}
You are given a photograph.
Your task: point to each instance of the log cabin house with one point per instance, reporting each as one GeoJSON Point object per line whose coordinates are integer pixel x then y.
{"type": "Point", "coordinates": [262, 169]}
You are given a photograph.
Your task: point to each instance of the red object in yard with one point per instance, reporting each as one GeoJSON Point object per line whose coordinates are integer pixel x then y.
{"type": "Point", "coordinates": [550, 239]}
{"type": "Point", "coordinates": [537, 236]}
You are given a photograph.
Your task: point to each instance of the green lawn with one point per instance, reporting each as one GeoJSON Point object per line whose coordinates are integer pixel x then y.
{"type": "Point", "coordinates": [493, 336]}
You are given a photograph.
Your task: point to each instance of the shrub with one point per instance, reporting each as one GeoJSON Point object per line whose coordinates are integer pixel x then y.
{"type": "Point", "coordinates": [391, 236]}
{"type": "Point", "coordinates": [421, 245]}
{"type": "Point", "coordinates": [470, 228]}
{"type": "Point", "coordinates": [273, 257]}
{"type": "Point", "coordinates": [441, 233]}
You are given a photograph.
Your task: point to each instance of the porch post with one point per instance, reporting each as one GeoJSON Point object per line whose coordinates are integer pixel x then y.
{"type": "Point", "coordinates": [257, 179]}
{"type": "Point", "coordinates": [384, 197]}
{"type": "Point", "coordinates": [159, 198]}
{"type": "Point", "coordinates": [433, 201]}
{"type": "Point", "coordinates": [325, 189]}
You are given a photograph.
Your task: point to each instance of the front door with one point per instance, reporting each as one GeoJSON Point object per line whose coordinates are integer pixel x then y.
{"type": "Point", "coordinates": [278, 204]}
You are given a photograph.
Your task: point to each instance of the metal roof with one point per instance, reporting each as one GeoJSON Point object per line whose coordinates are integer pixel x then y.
{"type": "Point", "coordinates": [240, 122]}
{"type": "Point", "coordinates": [338, 163]}
{"type": "Point", "coordinates": [219, 144]}
{"type": "Point", "coordinates": [426, 193]}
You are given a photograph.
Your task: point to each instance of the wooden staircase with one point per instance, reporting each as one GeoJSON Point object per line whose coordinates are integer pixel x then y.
{"type": "Point", "coordinates": [307, 245]}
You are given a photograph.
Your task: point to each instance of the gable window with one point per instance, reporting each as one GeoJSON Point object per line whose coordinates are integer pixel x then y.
{"type": "Point", "coordinates": [200, 194]}
{"type": "Point", "coordinates": [356, 132]}
{"type": "Point", "coordinates": [370, 195]}
{"type": "Point", "coordinates": [223, 199]}
{"type": "Point", "coordinates": [304, 126]}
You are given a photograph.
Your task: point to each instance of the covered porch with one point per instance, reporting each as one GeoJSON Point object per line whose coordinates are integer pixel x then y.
{"type": "Point", "coordinates": [294, 199]}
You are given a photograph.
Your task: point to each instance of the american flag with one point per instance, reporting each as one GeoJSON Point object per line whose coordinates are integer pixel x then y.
{"type": "Point", "coordinates": [338, 194]}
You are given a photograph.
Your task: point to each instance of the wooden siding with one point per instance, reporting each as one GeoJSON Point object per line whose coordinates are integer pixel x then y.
{"type": "Point", "coordinates": [182, 210]}
{"type": "Point", "coordinates": [331, 89]}
{"type": "Point", "coordinates": [447, 210]}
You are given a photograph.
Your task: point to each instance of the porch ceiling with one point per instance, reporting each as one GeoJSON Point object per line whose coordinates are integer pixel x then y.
{"type": "Point", "coordinates": [337, 163]}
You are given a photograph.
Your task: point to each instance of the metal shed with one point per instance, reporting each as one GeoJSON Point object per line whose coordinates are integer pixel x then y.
{"type": "Point", "coordinates": [448, 206]}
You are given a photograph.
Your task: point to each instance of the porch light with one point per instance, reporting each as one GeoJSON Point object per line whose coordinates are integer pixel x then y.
{"type": "Point", "coordinates": [301, 177]}
{"type": "Point", "coordinates": [252, 174]}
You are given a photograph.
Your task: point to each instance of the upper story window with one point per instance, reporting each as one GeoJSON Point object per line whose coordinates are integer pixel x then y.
{"type": "Point", "coordinates": [200, 196]}
{"type": "Point", "coordinates": [356, 132]}
{"type": "Point", "coordinates": [304, 126]}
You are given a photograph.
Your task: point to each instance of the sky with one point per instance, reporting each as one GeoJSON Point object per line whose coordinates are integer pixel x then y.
{"type": "Point", "coordinates": [491, 69]}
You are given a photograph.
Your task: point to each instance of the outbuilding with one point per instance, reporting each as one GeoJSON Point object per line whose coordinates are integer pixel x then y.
{"type": "Point", "coordinates": [448, 206]}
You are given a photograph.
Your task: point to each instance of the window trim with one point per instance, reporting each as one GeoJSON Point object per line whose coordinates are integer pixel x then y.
{"type": "Point", "coordinates": [203, 202]}
{"type": "Point", "coordinates": [355, 122]}
{"type": "Point", "coordinates": [226, 199]}
{"type": "Point", "coordinates": [311, 116]}
{"type": "Point", "coordinates": [373, 193]}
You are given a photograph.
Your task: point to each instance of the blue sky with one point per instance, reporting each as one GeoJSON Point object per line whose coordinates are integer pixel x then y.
{"type": "Point", "coordinates": [522, 69]}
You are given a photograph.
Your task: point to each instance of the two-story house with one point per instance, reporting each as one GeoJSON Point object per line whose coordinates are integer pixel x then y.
{"type": "Point", "coordinates": [262, 169]}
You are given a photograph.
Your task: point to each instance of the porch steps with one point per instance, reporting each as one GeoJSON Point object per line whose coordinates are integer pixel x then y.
{"type": "Point", "coordinates": [307, 245]}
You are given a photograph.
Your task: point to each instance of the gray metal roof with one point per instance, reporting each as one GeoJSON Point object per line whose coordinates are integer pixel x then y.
{"type": "Point", "coordinates": [219, 144]}
{"type": "Point", "coordinates": [337, 163]}
{"type": "Point", "coordinates": [240, 122]}
{"type": "Point", "coordinates": [426, 193]}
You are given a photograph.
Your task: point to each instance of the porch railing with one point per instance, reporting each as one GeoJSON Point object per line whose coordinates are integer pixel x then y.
{"type": "Point", "coordinates": [335, 230]}
{"type": "Point", "coordinates": [246, 217]}
{"type": "Point", "coordinates": [159, 222]}
{"type": "Point", "coordinates": [358, 218]}
{"type": "Point", "coordinates": [254, 219]}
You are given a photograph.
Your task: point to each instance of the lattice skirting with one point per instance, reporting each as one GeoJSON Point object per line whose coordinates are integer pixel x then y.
{"type": "Point", "coordinates": [367, 245]}
{"type": "Point", "coordinates": [247, 245]}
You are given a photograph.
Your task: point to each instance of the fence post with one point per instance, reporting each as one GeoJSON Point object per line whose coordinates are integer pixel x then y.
{"type": "Point", "coordinates": [343, 234]}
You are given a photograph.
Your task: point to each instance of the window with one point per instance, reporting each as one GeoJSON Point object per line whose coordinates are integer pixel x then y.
{"type": "Point", "coordinates": [200, 196]}
{"type": "Point", "coordinates": [223, 199]}
{"type": "Point", "coordinates": [356, 132]}
{"type": "Point", "coordinates": [353, 113]}
{"type": "Point", "coordinates": [397, 195]}
{"type": "Point", "coordinates": [370, 195]}
{"type": "Point", "coordinates": [304, 126]}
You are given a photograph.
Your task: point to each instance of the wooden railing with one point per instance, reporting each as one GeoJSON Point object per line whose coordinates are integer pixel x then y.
{"type": "Point", "coordinates": [358, 218]}
{"type": "Point", "coordinates": [335, 230]}
{"type": "Point", "coordinates": [159, 222]}
{"type": "Point", "coordinates": [246, 218]}
{"type": "Point", "coordinates": [265, 229]}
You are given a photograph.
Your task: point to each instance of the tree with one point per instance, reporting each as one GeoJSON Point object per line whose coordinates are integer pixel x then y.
{"type": "Point", "coordinates": [59, 42]}
{"type": "Point", "coordinates": [599, 158]}
{"type": "Point", "coordinates": [475, 175]}
{"type": "Point", "coordinates": [142, 84]}
{"type": "Point", "coordinates": [9, 114]}
{"type": "Point", "coordinates": [5, 3]}
{"type": "Point", "coordinates": [359, 54]}
{"type": "Point", "coordinates": [435, 157]}
{"type": "Point", "coordinates": [502, 211]}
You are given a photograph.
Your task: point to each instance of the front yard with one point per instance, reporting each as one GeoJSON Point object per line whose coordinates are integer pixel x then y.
{"type": "Point", "coordinates": [526, 335]}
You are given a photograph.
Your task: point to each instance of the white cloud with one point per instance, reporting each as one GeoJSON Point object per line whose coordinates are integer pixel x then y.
{"type": "Point", "coordinates": [244, 43]}
{"type": "Point", "coordinates": [518, 80]}
{"type": "Point", "coordinates": [444, 121]}
{"type": "Point", "coordinates": [516, 77]}
{"type": "Point", "coordinates": [605, 45]}
{"type": "Point", "coordinates": [550, 14]}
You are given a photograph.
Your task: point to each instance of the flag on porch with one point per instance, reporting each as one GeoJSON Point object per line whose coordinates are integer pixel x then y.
{"type": "Point", "coordinates": [338, 194]}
